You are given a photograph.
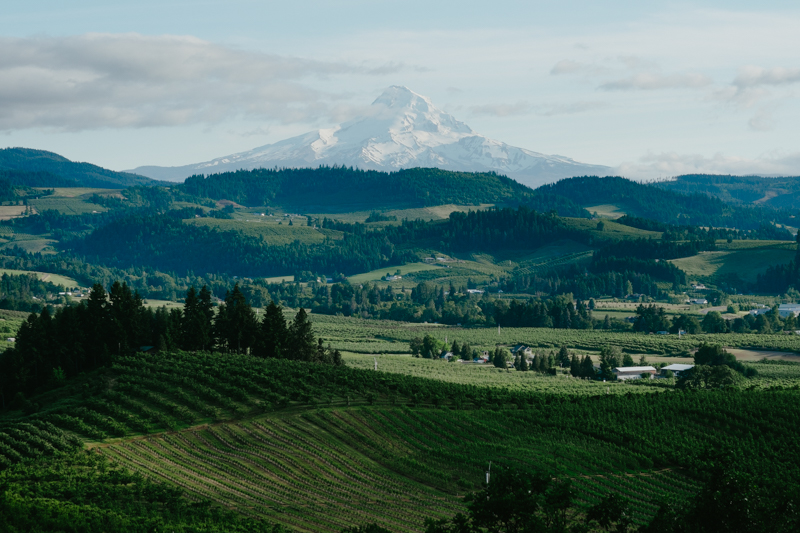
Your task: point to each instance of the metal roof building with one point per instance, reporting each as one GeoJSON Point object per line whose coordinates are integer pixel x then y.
{"type": "Point", "coordinates": [633, 372]}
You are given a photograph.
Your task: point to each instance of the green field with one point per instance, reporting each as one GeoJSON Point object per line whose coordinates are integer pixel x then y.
{"type": "Point", "coordinates": [382, 336]}
{"type": "Point", "coordinates": [486, 375]}
{"type": "Point", "coordinates": [438, 212]}
{"type": "Point", "coordinates": [319, 448]}
{"type": "Point", "coordinates": [149, 302]}
{"type": "Point", "coordinates": [66, 205]}
{"type": "Point", "coordinates": [611, 230]}
{"type": "Point", "coordinates": [76, 192]}
{"type": "Point", "coordinates": [269, 230]}
{"type": "Point", "coordinates": [482, 268]}
{"type": "Point", "coordinates": [376, 275]}
{"type": "Point", "coordinates": [55, 279]}
{"type": "Point", "coordinates": [743, 259]}
{"type": "Point", "coordinates": [10, 322]}
{"type": "Point", "coordinates": [606, 211]}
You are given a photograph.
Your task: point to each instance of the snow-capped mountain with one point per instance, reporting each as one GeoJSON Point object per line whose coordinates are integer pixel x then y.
{"type": "Point", "coordinates": [402, 130]}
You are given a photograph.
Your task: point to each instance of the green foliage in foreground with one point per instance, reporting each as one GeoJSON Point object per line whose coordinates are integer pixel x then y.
{"type": "Point", "coordinates": [399, 428]}
{"type": "Point", "coordinates": [519, 502]}
{"type": "Point", "coordinates": [85, 493]}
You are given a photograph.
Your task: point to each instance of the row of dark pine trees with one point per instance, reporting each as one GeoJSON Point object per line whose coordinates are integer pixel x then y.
{"type": "Point", "coordinates": [50, 348]}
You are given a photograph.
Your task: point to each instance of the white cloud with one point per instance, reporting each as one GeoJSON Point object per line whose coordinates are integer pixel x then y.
{"type": "Point", "coordinates": [752, 76]}
{"type": "Point", "coordinates": [572, 108]}
{"type": "Point", "coordinates": [502, 110]}
{"type": "Point", "coordinates": [567, 66]}
{"type": "Point", "coordinates": [130, 80]}
{"type": "Point", "coordinates": [763, 120]}
{"type": "Point", "coordinates": [669, 164]}
{"type": "Point", "coordinates": [651, 81]}
{"type": "Point", "coordinates": [544, 110]}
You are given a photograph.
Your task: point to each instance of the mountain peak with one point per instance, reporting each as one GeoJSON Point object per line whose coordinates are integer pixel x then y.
{"type": "Point", "coordinates": [398, 96]}
{"type": "Point", "coordinates": [402, 129]}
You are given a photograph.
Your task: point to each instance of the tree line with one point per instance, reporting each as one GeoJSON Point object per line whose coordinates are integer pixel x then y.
{"type": "Point", "coordinates": [52, 347]}
{"type": "Point", "coordinates": [666, 206]}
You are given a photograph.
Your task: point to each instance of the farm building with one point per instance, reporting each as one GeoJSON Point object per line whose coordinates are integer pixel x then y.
{"type": "Point", "coordinates": [677, 368]}
{"type": "Point", "coordinates": [520, 349]}
{"type": "Point", "coordinates": [698, 301]}
{"type": "Point", "coordinates": [787, 310]}
{"type": "Point", "coordinates": [756, 312]}
{"type": "Point", "coordinates": [633, 372]}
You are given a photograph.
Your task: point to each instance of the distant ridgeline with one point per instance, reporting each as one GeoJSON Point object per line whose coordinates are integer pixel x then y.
{"type": "Point", "coordinates": [652, 201]}
{"type": "Point", "coordinates": [39, 168]}
{"type": "Point", "coordinates": [773, 192]}
{"type": "Point", "coordinates": [346, 188]}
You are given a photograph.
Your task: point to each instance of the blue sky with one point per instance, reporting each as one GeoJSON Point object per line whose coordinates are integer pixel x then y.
{"type": "Point", "coordinates": [652, 88]}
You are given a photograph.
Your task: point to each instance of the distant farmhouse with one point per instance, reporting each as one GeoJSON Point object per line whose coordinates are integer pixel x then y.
{"type": "Point", "coordinates": [521, 349]}
{"type": "Point", "coordinates": [784, 310]}
{"type": "Point", "coordinates": [677, 368]}
{"type": "Point", "coordinates": [787, 310]}
{"type": "Point", "coordinates": [633, 372]}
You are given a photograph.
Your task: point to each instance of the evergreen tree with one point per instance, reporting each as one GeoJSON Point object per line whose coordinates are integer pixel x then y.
{"type": "Point", "coordinates": [587, 368]}
{"type": "Point", "coordinates": [575, 366]}
{"type": "Point", "coordinates": [273, 334]}
{"type": "Point", "coordinates": [236, 322]}
{"type": "Point", "coordinates": [563, 356]}
{"type": "Point", "coordinates": [456, 349]}
{"type": "Point", "coordinates": [99, 327]}
{"type": "Point", "coordinates": [302, 344]}
{"type": "Point", "coordinates": [193, 334]}
{"type": "Point", "coordinates": [127, 318]}
{"type": "Point", "coordinates": [500, 357]}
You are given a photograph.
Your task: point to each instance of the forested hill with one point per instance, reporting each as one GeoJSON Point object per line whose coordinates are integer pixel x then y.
{"type": "Point", "coordinates": [774, 192]}
{"type": "Point", "coordinates": [39, 168]}
{"type": "Point", "coordinates": [345, 188]}
{"type": "Point", "coordinates": [168, 242]}
{"type": "Point", "coordinates": [654, 202]}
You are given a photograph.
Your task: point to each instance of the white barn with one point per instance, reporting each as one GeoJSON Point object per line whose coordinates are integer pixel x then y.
{"type": "Point", "coordinates": [787, 310]}
{"type": "Point", "coordinates": [677, 368]}
{"type": "Point", "coordinates": [633, 372]}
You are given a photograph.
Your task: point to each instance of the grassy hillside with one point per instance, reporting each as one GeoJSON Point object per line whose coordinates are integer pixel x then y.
{"type": "Point", "coordinates": [744, 260]}
{"type": "Point", "coordinates": [269, 230]}
{"type": "Point", "coordinates": [82, 174]}
{"type": "Point", "coordinates": [318, 448]}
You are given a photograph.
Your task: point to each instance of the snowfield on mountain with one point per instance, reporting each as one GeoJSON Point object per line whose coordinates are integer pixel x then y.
{"type": "Point", "coordinates": [401, 129]}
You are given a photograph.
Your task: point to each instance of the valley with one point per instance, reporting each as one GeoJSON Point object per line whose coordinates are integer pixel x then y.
{"type": "Point", "coordinates": [321, 349]}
